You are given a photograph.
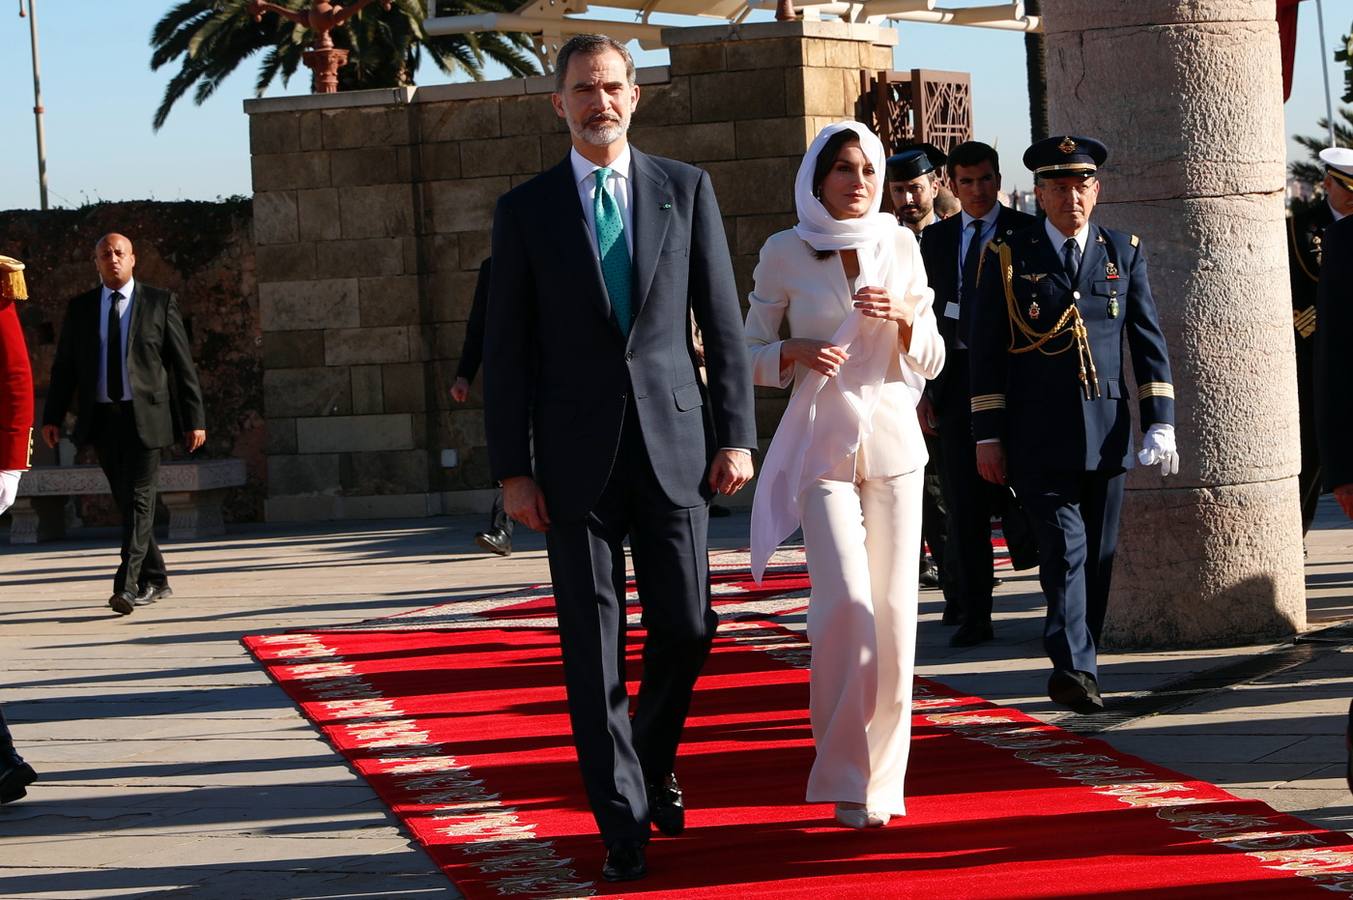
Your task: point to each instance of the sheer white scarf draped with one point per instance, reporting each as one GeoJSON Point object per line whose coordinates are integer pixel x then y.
{"type": "Point", "coordinates": [828, 418]}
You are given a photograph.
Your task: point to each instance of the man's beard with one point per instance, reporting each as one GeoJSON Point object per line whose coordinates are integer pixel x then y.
{"type": "Point", "coordinates": [913, 214]}
{"type": "Point", "coordinates": [600, 133]}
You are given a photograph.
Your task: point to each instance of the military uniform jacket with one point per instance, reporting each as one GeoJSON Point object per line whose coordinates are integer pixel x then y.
{"type": "Point", "coordinates": [1333, 362]}
{"type": "Point", "coordinates": [1026, 358]}
{"type": "Point", "coordinates": [16, 392]}
{"type": "Point", "coordinates": [1305, 249]}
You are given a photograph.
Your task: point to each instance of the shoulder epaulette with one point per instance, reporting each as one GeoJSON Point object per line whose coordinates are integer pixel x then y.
{"type": "Point", "coordinates": [1136, 240]}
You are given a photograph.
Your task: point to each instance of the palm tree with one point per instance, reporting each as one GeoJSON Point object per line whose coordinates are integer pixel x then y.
{"type": "Point", "coordinates": [214, 36]}
{"type": "Point", "coordinates": [1313, 172]}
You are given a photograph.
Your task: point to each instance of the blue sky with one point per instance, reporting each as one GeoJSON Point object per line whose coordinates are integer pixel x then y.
{"type": "Point", "coordinates": [100, 95]}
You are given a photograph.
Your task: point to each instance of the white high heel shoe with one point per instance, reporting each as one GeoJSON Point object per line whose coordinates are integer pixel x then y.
{"type": "Point", "coordinates": [854, 815]}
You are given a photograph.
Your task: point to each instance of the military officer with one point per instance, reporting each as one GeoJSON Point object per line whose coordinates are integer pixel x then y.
{"type": "Point", "coordinates": [16, 454]}
{"type": "Point", "coordinates": [1049, 410]}
{"type": "Point", "coordinates": [1305, 250]}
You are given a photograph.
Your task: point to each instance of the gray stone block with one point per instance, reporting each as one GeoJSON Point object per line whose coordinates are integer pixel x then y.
{"type": "Point", "coordinates": [754, 187]}
{"type": "Point", "coordinates": [276, 133]}
{"type": "Point", "coordinates": [376, 211]}
{"type": "Point", "coordinates": [389, 472]}
{"type": "Point", "coordinates": [299, 305]}
{"type": "Point", "coordinates": [441, 252]}
{"type": "Point", "coordinates": [368, 165]}
{"type": "Point", "coordinates": [343, 434]}
{"type": "Point", "coordinates": [664, 104]}
{"type": "Point", "coordinates": [439, 161]}
{"type": "Point", "coordinates": [356, 346]}
{"type": "Point", "coordinates": [367, 396]}
{"type": "Point", "coordinates": [319, 214]}
{"type": "Point", "coordinates": [404, 387]}
{"type": "Point", "coordinates": [451, 295]}
{"type": "Point", "coordinates": [460, 120]}
{"type": "Point", "coordinates": [774, 137]}
{"type": "Point", "coordinates": [290, 171]}
{"type": "Point", "coordinates": [281, 436]}
{"type": "Point", "coordinates": [293, 349]}
{"type": "Point", "coordinates": [284, 262]}
{"type": "Point", "coordinates": [501, 156]}
{"type": "Point", "coordinates": [464, 205]}
{"type": "Point", "coordinates": [391, 300]}
{"type": "Point", "coordinates": [306, 473]}
{"type": "Point", "coordinates": [320, 391]}
{"type": "Point", "coordinates": [372, 126]}
{"type": "Point", "coordinates": [475, 247]}
{"type": "Point", "coordinates": [697, 143]}
{"type": "Point", "coordinates": [366, 257]}
{"type": "Point", "coordinates": [724, 96]}
{"type": "Point", "coordinates": [275, 220]}
{"type": "Point", "coordinates": [312, 130]}
{"type": "Point", "coordinates": [532, 114]}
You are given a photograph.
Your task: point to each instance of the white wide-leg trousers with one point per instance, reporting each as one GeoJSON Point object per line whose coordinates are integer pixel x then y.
{"type": "Point", "coordinates": [862, 541]}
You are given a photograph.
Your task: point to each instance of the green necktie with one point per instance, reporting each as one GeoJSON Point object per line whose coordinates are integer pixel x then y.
{"type": "Point", "coordinates": [615, 255]}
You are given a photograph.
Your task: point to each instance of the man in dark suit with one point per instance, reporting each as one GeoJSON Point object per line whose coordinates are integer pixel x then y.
{"type": "Point", "coordinates": [952, 250]}
{"type": "Point", "coordinates": [1055, 302]}
{"type": "Point", "coordinates": [497, 538]}
{"type": "Point", "coordinates": [1333, 375]}
{"type": "Point", "coordinates": [598, 265]}
{"type": "Point", "coordinates": [124, 358]}
{"type": "Point", "coordinates": [1306, 250]}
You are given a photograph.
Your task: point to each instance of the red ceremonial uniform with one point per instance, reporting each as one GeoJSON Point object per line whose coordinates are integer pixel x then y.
{"type": "Point", "coordinates": [16, 392]}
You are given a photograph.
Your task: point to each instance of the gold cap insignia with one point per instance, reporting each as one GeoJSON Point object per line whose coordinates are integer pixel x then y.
{"type": "Point", "coordinates": [1067, 146]}
{"type": "Point", "coordinates": [12, 285]}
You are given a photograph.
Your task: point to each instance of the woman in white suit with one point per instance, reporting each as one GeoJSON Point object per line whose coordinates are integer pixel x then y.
{"type": "Point", "coordinates": [848, 457]}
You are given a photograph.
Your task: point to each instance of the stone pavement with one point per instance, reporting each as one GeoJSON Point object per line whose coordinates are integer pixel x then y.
{"type": "Point", "coordinates": [170, 763]}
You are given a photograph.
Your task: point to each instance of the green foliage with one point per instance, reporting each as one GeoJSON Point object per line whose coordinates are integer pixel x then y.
{"type": "Point", "coordinates": [1313, 172]}
{"type": "Point", "coordinates": [213, 37]}
{"type": "Point", "coordinates": [1345, 55]}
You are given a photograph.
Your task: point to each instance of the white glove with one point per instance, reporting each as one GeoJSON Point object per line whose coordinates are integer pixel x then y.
{"type": "Point", "coordinates": [9, 487]}
{"type": "Point", "coordinates": [1158, 447]}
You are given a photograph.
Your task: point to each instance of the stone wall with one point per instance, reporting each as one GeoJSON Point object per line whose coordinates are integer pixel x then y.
{"type": "Point", "coordinates": [373, 212]}
{"type": "Point", "coordinates": [204, 253]}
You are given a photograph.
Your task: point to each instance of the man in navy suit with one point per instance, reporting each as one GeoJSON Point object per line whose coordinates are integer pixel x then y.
{"type": "Point", "coordinates": [952, 250]}
{"type": "Point", "coordinates": [1048, 406]}
{"type": "Point", "coordinates": [598, 266]}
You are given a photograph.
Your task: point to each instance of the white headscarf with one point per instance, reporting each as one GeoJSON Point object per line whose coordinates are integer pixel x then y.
{"type": "Point", "coordinates": [828, 418]}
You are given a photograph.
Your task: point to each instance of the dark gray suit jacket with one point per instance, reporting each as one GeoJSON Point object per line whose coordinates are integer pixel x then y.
{"type": "Point", "coordinates": [559, 372]}
{"type": "Point", "coordinates": [159, 366]}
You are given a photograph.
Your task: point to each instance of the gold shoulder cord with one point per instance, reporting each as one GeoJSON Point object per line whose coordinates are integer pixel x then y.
{"type": "Point", "coordinates": [1296, 248]}
{"type": "Point", "coordinates": [1069, 324]}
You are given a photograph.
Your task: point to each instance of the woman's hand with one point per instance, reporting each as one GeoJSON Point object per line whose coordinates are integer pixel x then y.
{"type": "Point", "coordinates": [820, 356]}
{"type": "Point", "coordinates": [877, 303]}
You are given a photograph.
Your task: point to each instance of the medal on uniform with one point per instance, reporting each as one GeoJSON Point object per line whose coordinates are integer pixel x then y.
{"type": "Point", "coordinates": [1113, 309]}
{"type": "Point", "coordinates": [1110, 271]}
{"type": "Point", "coordinates": [1033, 310]}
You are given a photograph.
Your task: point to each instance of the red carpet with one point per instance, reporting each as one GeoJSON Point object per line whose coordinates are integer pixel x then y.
{"type": "Point", "coordinates": [464, 733]}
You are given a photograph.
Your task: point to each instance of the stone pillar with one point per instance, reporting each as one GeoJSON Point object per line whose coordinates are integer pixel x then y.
{"type": "Point", "coordinates": [1188, 97]}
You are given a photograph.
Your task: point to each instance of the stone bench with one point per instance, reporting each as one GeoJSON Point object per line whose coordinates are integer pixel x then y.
{"type": "Point", "coordinates": [192, 491]}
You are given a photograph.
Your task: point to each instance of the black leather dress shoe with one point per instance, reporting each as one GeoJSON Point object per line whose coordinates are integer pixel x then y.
{"type": "Point", "coordinates": [666, 809]}
{"type": "Point", "coordinates": [497, 541]}
{"type": "Point", "coordinates": [14, 778]}
{"type": "Point", "coordinates": [930, 574]}
{"type": "Point", "coordinates": [972, 635]}
{"type": "Point", "coordinates": [150, 593]}
{"type": "Point", "coordinates": [624, 862]}
{"type": "Point", "coordinates": [1076, 690]}
{"type": "Point", "coordinates": [122, 603]}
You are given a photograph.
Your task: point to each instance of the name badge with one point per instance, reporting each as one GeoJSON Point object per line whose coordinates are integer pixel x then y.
{"type": "Point", "coordinates": [951, 310]}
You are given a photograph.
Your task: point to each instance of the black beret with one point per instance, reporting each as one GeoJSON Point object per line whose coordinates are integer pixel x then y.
{"type": "Point", "coordinates": [913, 161]}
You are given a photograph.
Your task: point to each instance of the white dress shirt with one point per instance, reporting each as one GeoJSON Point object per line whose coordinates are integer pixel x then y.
{"type": "Point", "coordinates": [1059, 240]}
{"type": "Point", "coordinates": [964, 241]}
{"type": "Point", "coordinates": [124, 314]}
{"type": "Point", "coordinates": [1334, 212]}
{"type": "Point", "coordinates": [620, 190]}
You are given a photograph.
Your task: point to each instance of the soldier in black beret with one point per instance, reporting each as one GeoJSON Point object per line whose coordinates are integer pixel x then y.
{"type": "Point", "coordinates": [1049, 408]}
{"type": "Point", "coordinates": [912, 184]}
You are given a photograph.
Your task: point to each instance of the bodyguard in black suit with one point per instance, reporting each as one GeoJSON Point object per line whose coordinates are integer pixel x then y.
{"type": "Point", "coordinates": [1334, 362]}
{"type": "Point", "coordinates": [598, 266]}
{"type": "Point", "coordinates": [124, 358]}
{"type": "Point", "coordinates": [952, 250]}
{"type": "Point", "coordinates": [1055, 303]}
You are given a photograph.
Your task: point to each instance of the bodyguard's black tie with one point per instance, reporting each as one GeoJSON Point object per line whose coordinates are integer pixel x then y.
{"type": "Point", "coordinates": [114, 351]}
{"type": "Point", "coordinates": [1071, 258]}
{"type": "Point", "coordinates": [967, 291]}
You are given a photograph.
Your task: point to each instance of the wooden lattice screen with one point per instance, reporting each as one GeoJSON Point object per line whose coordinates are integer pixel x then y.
{"type": "Point", "coordinates": [920, 105]}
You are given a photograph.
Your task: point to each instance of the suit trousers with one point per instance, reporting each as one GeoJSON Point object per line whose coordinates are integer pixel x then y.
{"type": "Point", "coordinates": [131, 468]}
{"type": "Point", "coordinates": [619, 754]}
{"type": "Point", "coordinates": [862, 540]}
{"type": "Point", "coordinates": [969, 499]}
{"type": "Point", "coordinates": [1075, 515]}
